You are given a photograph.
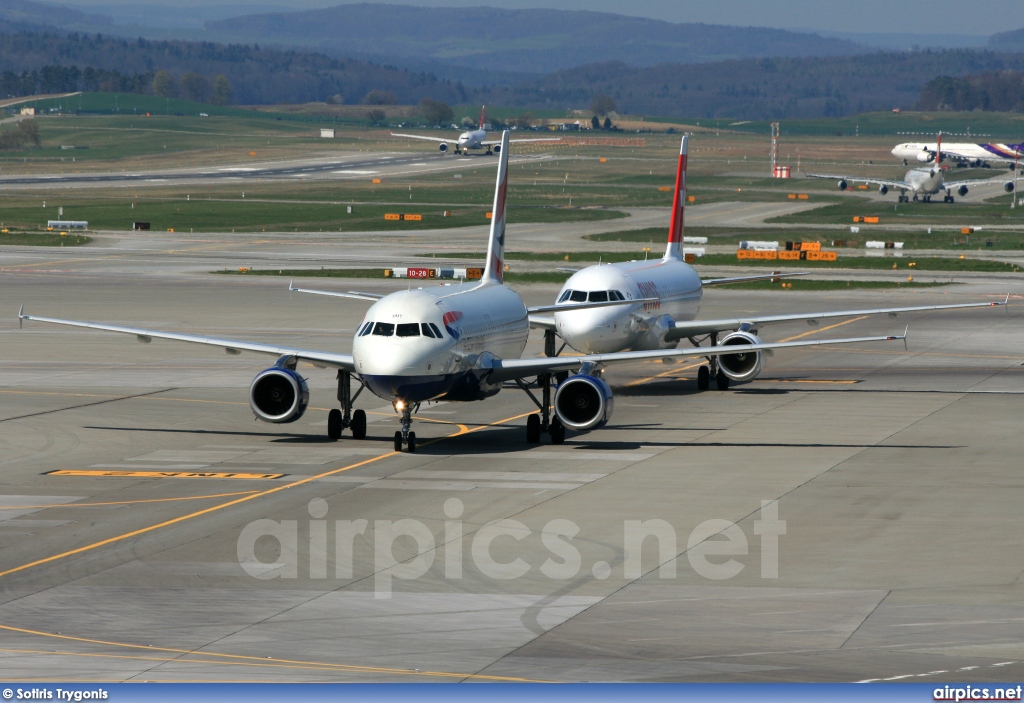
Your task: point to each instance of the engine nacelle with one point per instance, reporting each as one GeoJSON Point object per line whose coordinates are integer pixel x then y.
{"type": "Point", "coordinates": [926, 157]}
{"type": "Point", "coordinates": [843, 185]}
{"type": "Point", "coordinates": [583, 402]}
{"type": "Point", "coordinates": [743, 366]}
{"type": "Point", "coordinates": [883, 189]}
{"type": "Point", "coordinates": [278, 395]}
{"type": "Point", "coordinates": [443, 147]}
{"type": "Point", "coordinates": [496, 148]}
{"type": "Point", "coordinates": [1008, 186]}
{"type": "Point", "coordinates": [962, 190]}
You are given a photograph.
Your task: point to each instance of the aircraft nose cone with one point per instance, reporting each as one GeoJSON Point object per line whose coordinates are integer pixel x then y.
{"type": "Point", "coordinates": [589, 331]}
{"type": "Point", "coordinates": [391, 360]}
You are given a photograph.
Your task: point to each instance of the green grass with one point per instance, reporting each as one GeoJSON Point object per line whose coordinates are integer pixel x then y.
{"type": "Point", "coordinates": [42, 239]}
{"type": "Point", "coordinates": [254, 215]}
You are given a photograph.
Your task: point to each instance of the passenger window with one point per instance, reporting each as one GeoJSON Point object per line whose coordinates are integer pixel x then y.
{"type": "Point", "coordinates": [437, 332]}
{"type": "Point", "coordinates": [578, 296]}
{"type": "Point", "coordinates": [426, 329]}
{"type": "Point", "coordinates": [564, 296]}
{"type": "Point", "coordinates": [409, 329]}
{"type": "Point", "coordinates": [383, 329]}
{"type": "Point", "coordinates": [599, 296]}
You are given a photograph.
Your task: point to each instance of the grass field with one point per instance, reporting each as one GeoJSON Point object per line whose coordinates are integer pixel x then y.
{"type": "Point", "coordinates": [43, 239]}
{"type": "Point", "coordinates": [908, 213]}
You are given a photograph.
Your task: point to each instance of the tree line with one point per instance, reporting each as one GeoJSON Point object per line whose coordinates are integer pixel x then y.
{"type": "Point", "coordinates": [1000, 91]}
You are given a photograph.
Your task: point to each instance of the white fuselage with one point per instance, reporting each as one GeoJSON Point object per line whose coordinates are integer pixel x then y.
{"type": "Point", "coordinates": [674, 284]}
{"type": "Point", "coordinates": [977, 153]}
{"type": "Point", "coordinates": [925, 181]}
{"type": "Point", "coordinates": [429, 343]}
{"type": "Point", "coordinates": [472, 139]}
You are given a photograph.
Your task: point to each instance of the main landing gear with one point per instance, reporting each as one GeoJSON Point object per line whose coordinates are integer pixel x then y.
{"type": "Point", "coordinates": [404, 437]}
{"type": "Point", "coordinates": [338, 420]}
{"type": "Point", "coordinates": [712, 370]}
{"type": "Point", "coordinates": [542, 422]}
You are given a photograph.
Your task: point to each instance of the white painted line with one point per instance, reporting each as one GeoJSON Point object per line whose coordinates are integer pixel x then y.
{"type": "Point", "coordinates": [496, 476]}
{"type": "Point", "coordinates": [466, 485]}
{"type": "Point", "coordinates": [568, 455]}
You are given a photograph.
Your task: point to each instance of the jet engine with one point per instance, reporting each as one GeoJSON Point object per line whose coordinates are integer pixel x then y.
{"type": "Point", "coordinates": [443, 147]}
{"type": "Point", "coordinates": [962, 190]}
{"type": "Point", "coordinates": [883, 189]}
{"type": "Point", "coordinates": [743, 366]}
{"type": "Point", "coordinates": [583, 402]}
{"type": "Point", "coordinates": [843, 185]}
{"type": "Point", "coordinates": [278, 395]}
{"type": "Point", "coordinates": [926, 157]}
{"type": "Point", "coordinates": [496, 148]}
{"type": "Point", "coordinates": [1008, 186]}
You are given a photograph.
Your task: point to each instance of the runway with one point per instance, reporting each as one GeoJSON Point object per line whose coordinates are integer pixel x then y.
{"type": "Point", "coordinates": [134, 483]}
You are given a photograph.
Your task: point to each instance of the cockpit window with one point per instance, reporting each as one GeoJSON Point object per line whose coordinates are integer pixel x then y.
{"type": "Point", "coordinates": [599, 296]}
{"type": "Point", "coordinates": [425, 328]}
{"type": "Point", "coordinates": [578, 296]}
{"type": "Point", "coordinates": [564, 296]}
{"type": "Point", "coordinates": [409, 329]}
{"type": "Point", "coordinates": [437, 332]}
{"type": "Point", "coordinates": [366, 329]}
{"type": "Point", "coordinates": [384, 329]}
{"type": "Point", "coordinates": [615, 295]}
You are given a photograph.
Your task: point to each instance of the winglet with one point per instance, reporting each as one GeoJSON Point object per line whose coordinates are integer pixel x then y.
{"type": "Point", "coordinates": [21, 315]}
{"type": "Point", "coordinates": [291, 285]}
{"type": "Point", "coordinates": [905, 333]}
{"type": "Point", "coordinates": [674, 250]}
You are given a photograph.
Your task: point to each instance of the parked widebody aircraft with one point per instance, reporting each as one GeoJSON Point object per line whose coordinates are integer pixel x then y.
{"type": "Point", "coordinates": [473, 139]}
{"type": "Point", "coordinates": [966, 153]}
{"type": "Point", "coordinates": [672, 317]}
{"type": "Point", "coordinates": [452, 343]}
{"type": "Point", "coordinates": [922, 182]}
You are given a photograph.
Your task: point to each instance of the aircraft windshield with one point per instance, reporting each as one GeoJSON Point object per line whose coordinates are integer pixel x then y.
{"type": "Point", "coordinates": [409, 329]}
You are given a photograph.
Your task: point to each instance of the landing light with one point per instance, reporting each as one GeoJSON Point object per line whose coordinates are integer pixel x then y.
{"type": "Point", "coordinates": [399, 405]}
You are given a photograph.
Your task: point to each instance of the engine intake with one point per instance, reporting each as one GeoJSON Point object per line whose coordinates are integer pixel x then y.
{"type": "Point", "coordinates": [843, 185]}
{"type": "Point", "coordinates": [883, 189]}
{"type": "Point", "coordinates": [926, 156]}
{"type": "Point", "coordinates": [583, 402]}
{"type": "Point", "coordinates": [443, 147]}
{"type": "Point", "coordinates": [742, 366]}
{"type": "Point", "coordinates": [962, 190]}
{"type": "Point", "coordinates": [497, 148]}
{"type": "Point", "coordinates": [1008, 186]}
{"type": "Point", "coordinates": [278, 395]}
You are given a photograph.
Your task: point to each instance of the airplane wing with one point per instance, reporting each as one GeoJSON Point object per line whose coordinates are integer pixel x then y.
{"type": "Point", "coordinates": [231, 346]}
{"type": "Point", "coordinates": [694, 328]}
{"type": "Point", "coordinates": [429, 139]}
{"type": "Point", "coordinates": [511, 369]}
{"type": "Point", "coordinates": [856, 179]}
{"type": "Point", "coordinates": [746, 279]}
{"type": "Point", "coordinates": [354, 294]}
{"type": "Point", "coordinates": [521, 141]}
{"type": "Point", "coordinates": [540, 322]}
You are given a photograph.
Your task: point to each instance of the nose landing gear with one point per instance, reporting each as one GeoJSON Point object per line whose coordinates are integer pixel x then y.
{"type": "Point", "coordinates": [404, 437]}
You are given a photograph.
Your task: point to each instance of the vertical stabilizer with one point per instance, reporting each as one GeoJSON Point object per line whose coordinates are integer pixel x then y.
{"type": "Point", "coordinates": [938, 151]}
{"type": "Point", "coordinates": [495, 269]}
{"type": "Point", "coordinates": [483, 109]}
{"type": "Point", "coordinates": [675, 230]}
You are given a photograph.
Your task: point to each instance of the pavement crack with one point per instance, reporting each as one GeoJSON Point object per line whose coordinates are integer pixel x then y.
{"type": "Point", "coordinates": [87, 405]}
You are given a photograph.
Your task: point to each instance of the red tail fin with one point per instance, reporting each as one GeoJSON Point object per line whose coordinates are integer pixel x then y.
{"type": "Point", "coordinates": [675, 230]}
{"type": "Point", "coordinates": [482, 109]}
{"type": "Point", "coordinates": [938, 151]}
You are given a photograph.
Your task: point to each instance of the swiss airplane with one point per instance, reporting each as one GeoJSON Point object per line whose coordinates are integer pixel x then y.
{"type": "Point", "coordinates": [447, 342]}
{"type": "Point", "coordinates": [963, 153]}
{"type": "Point", "coordinates": [922, 182]}
{"type": "Point", "coordinates": [473, 139]}
{"type": "Point", "coordinates": [677, 289]}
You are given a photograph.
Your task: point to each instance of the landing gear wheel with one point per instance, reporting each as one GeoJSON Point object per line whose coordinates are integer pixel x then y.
{"type": "Point", "coordinates": [398, 441]}
{"type": "Point", "coordinates": [359, 424]}
{"type": "Point", "coordinates": [557, 432]}
{"type": "Point", "coordinates": [334, 424]}
{"type": "Point", "coordinates": [703, 378]}
{"type": "Point", "coordinates": [533, 429]}
{"type": "Point", "coordinates": [412, 443]}
{"type": "Point", "coordinates": [722, 381]}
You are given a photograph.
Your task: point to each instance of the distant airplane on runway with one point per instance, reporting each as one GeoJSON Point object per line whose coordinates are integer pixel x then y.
{"type": "Point", "coordinates": [965, 154]}
{"type": "Point", "coordinates": [473, 139]}
{"type": "Point", "coordinates": [922, 182]}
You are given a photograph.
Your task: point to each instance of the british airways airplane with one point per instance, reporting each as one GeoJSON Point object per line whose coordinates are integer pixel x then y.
{"type": "Point", "coordinates": [453, 343]}
{"type": "Point", "coordinates": [473, 139]}
{"type": "Point", "coordinates": [672, 316]}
